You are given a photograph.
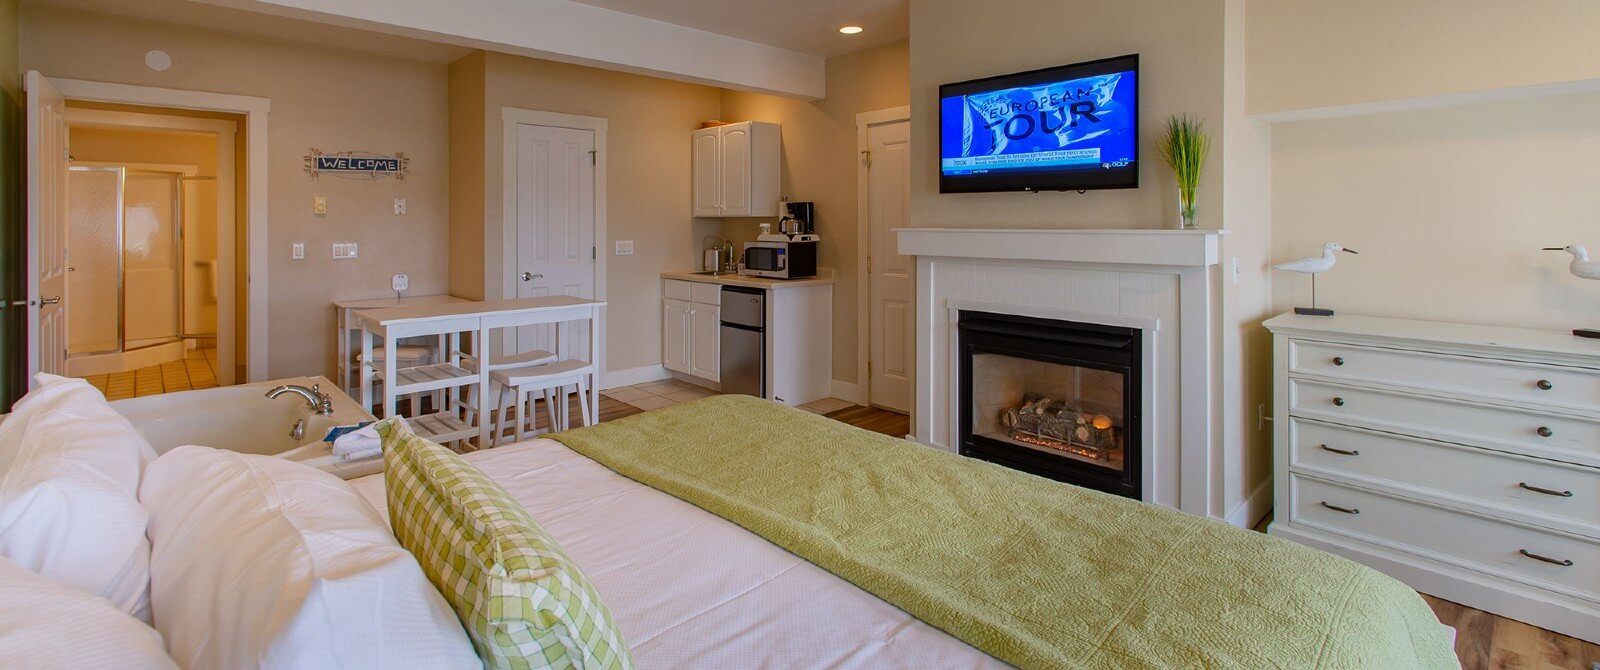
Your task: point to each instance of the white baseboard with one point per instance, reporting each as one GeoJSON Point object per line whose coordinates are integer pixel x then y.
{"type": "Point", "coordinates": [844, 390]}
{"type": "Point", "coordinates": [619, 378]}
{"type": "Point", "coordinates": [1254, 507]}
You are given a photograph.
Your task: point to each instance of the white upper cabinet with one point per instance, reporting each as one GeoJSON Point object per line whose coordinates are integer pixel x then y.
{"type": "Point", "coordinates": [736, 169]}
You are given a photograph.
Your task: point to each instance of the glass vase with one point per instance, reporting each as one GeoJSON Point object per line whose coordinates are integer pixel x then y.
{"type": "Point", "coordinates": [1186, 209]}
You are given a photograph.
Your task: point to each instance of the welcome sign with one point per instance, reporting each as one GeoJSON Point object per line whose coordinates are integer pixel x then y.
{"type": "Point", "coordinates": [357, 164]}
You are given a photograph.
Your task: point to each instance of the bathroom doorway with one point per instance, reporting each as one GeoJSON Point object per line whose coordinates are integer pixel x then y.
{"type": "Point", "coordinates": [147, 196]}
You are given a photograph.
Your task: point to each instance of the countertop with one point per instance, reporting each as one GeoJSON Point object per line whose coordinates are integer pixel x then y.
{"type": "Point", "coordinates": [824, 277]}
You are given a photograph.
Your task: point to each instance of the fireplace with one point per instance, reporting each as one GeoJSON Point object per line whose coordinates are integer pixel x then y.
{"type": "Point", "coordinates": [1055, 398]}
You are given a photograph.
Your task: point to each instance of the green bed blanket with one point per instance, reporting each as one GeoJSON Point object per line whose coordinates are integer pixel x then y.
{"type": "Point", "coordinates": [1033, 572]}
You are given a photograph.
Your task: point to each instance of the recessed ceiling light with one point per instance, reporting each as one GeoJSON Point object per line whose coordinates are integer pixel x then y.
{"type": "Point", "coordinates": [850, 30]}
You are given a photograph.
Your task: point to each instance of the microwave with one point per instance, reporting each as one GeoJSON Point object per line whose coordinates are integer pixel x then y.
{"type": "Point", "coordinates": [780, 260]}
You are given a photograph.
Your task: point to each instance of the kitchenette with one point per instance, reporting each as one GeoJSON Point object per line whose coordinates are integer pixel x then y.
{"type": "Point", "coordinates": [755, 320]}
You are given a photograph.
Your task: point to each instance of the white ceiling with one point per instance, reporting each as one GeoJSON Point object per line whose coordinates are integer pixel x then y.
{"type": "Point", "coordinates": [807, 26]}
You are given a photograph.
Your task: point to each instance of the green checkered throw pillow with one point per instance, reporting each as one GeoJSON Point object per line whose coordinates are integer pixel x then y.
{"type": "Point", "coordinates": [523, 602]}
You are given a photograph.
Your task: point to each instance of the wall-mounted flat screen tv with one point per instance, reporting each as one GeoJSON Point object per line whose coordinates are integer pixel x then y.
{"type": "Point", "coordinates": [1067, 128]}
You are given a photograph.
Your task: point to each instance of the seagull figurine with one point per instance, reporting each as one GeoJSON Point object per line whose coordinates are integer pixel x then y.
{"type": "Point", "coordinates": [1314, 266]}
{"type": "Point", "coordinates": [1582, 268]}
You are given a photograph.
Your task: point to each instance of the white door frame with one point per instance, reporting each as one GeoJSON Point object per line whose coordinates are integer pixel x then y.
{"type": "Point", "coordinates": [510, 118]}
{"type": "Point", "coordinates": [227, 213]}
{"type": "Point", "coordinates": [864, 122]}
{"type": "Point", "coordinates": [256, 112]}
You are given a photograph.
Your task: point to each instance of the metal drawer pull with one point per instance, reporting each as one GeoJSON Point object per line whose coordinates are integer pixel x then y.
{"type": "Point", "coordinates": [1336, 508]}
{"type": "Point", "coordinates": [1544, 431]}
{"type": "Point", "coordinates": [1548, 492]}
{"type": "Point", "coordinates": [1338, 402]}
{"type": "Point", "coordinates": [1563, 562]}
{"type": "Point", "coordinates": [1342, 452]}
{"type": "Point", "coordinates": [1544, 385]}
{"type": "Point", "coordinates": [1338, 360]}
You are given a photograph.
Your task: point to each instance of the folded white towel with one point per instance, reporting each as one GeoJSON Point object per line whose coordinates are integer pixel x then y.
{"type": "Point", "coordinates": [357, 444]}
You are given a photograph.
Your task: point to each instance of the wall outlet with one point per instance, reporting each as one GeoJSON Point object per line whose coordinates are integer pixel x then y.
{"type": "Point", "coordinates": [344, 250]}
{"type": "Point", "coordinates": [400, 206]}
{"type": "Point", "coordinates": [624, 247]}
{"type": "Point", "coordinates": [297, 251]}
{"type": "Point", "coordinates": [399, 283]}
{"type": "Point", "coordinates": [319, 205]}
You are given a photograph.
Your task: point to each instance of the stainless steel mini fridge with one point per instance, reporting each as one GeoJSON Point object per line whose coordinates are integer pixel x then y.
{"type": "Point", "coordinates": [744, 341]}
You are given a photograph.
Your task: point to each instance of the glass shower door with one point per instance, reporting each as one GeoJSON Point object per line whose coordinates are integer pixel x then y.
{"type": "Point", "coordinates": [94, 285]}
{"type": "Point", "coordinates": [152, 252]}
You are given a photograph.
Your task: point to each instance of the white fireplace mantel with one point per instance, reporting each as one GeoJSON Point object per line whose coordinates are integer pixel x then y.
{"type": "Point", "coordinates": [1171, 248]}
{"type": "Point", "coordinates": [1163, 279]}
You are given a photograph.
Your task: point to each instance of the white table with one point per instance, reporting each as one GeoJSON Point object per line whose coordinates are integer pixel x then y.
{"type": "Point", "coordinates": [347, 329]}
{"type": "Point", "coordinates": [450, 320]}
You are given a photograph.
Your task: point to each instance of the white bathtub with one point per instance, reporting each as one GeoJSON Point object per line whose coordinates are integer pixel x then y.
{"type": "Point", "coordinates": [243, 419]}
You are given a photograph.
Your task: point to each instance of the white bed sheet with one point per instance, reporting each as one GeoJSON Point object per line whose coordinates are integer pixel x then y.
{"type": "Point", "coordinates": [689, 589]}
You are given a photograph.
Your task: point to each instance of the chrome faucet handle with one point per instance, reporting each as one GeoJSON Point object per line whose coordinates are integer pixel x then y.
{"type": "Point", "coordinates": [324, 401]}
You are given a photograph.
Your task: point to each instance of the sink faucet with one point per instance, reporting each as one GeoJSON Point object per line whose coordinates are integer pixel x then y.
{"type": "Point", "coordinates": [320, 402]}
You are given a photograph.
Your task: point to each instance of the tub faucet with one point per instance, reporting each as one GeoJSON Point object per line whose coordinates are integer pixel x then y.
{"type": "Point", "coordinates": [320, 402]}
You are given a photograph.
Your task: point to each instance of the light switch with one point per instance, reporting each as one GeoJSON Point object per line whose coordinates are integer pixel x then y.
{"type": "Point", "coordinates": [344, 250]}
{"type": "Point", "coordinates": [400, 206]}
{"type": "Point", "coordinates": [399, 283]}
{"type": "Point", "coordinates": [624, 247]}
{"type": "Point", "coordinates": [297, 251]}
{"type": "Point", "coordinates": [319, 205]}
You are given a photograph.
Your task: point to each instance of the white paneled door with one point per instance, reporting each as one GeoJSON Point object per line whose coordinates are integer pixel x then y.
{"type": "Point", "coordinates": [555, 228]}
{"type": "Point", "coordinates": [47, 228]}
{"type": "Point", "coordinates": [892, 348]}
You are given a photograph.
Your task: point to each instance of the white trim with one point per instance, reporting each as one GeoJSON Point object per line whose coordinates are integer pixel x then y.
{"type": "Point", "coordinates": [864, 123]}
{"type": "Point", "coordinates": [631, 376]}
{"type": "Point", "coordinates": [1440, 101]}
{"type": "Point", "coordinates": [257, 112]}
{"type": "Point", "coordinates": [846, 391]}
{"type": "Point", "coordinates": [227, 213]}
{"type": "Point", "coordinates": [1254, 507]}
{"type": "Point", "coordinates": [510, 118]}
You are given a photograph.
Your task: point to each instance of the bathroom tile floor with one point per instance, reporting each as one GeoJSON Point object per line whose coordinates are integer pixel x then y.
{"type": "Point", "coordinates": [198, 370]}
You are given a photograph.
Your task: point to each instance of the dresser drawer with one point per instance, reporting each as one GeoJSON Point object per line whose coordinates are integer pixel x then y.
{"type": "Point", "coordinates": [1500, 549]}
{"type": "Point", "coordinates": [1573, 388]}
{"type": "Point", "coordinates": [1569, 493]}
{"type": "Point", "coordinates": [1495, 427]}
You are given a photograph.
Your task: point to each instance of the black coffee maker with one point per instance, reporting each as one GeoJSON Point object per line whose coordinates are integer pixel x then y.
{"type": "Point", "coordinates": [798, 220]}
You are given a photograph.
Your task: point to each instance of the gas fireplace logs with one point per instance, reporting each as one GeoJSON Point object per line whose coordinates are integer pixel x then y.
{"type": "Point", "coordinates": [1058, 424]}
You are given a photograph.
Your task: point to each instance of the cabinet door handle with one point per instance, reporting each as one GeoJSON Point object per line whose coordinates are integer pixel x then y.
{"type": "Point", "coordinates": [1345, 510]}
{"type": "Point", "coordinates": [1563, 562]}
{"type": "Point", "coordinates": [1544, 431]}
{"type": "Point", "coordinates": [1342, 452]}
{"type": "Point", "coordinates": [1544, 385]}
{"type": "Point", "coordinates": [1338, 402]}
{"type": "Point", "coordinates": [1548, 492]}
{"type": "Point", "coordinates": [1338, 360]}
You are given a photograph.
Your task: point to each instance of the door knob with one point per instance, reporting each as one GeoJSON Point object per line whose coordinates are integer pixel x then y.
{"type": "Point", "coordinates": [529, 276]}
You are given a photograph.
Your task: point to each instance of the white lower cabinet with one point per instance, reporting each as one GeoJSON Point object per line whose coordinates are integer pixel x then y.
{"type": "Point", "coordinates": [691, 316]}
{"type": "Point", "coordinates": [798, 347]}
{"type": "Point", "coordinates": [705, 322]}
{"type": "Point", "coordinates": [676, 334]}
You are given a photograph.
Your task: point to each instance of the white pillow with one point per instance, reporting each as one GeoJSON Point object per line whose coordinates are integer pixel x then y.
{"type": "Point", "coordinates": [69, 484]}
{"type": "Point", "coordinates": [46, 624]}
{"type": "Point", "coordinates": [258, 561]}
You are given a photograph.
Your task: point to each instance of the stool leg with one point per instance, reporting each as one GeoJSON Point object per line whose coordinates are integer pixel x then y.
{"type": "Point", "coordinates": [583, 400]}
{"type": "Point", "coordinates": [566, 408]}
{"type": "Point", "coordinates": [522, 399]}
{"type": "Point", "coordinates": [499, 421]}
{"type": "Point", "coordinates": [550, 411]}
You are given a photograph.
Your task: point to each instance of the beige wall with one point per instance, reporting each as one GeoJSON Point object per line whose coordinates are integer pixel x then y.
{"type": "Point", "coordinates": [1306, 54]}
{"type": "Point", "coordinates": [1180, 47]}
{"type": "Point", "coordinates": [647, 175]}
{"type": "Point", "coordinates": [468, 137]}
{"type": "Point", "coordinates": [322, 98]}
{"type": "Point", "coordinates": [820, 165]}
{"type": "Point", "coordinates": [1449, 209]}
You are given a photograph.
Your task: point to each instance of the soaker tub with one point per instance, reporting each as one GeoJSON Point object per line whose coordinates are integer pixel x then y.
{"type": "Point", "coordinates": [243, 419]}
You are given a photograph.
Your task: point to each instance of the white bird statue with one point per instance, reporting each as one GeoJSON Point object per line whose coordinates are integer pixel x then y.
{"type": "Point", "coordinates": [1582, 268]}
{"type": "Point", "coordinates": [1314, 266]}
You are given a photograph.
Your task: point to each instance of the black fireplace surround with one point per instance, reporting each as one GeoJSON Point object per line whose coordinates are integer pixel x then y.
{"type": "Point", "coordinates": [1094, 346]}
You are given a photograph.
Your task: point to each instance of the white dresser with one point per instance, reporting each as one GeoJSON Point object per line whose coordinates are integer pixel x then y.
{"type": "Point", "coordinates": [1463, 460]}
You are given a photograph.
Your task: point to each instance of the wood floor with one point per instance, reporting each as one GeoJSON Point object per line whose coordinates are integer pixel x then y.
{"type": "Point", "coordinates": [196, 371]}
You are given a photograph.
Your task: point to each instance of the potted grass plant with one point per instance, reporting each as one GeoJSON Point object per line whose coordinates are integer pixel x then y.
{"type": "Point", "coordinates": [1185, 146]}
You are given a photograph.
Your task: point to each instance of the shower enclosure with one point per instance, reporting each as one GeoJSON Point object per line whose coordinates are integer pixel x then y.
{"type": "Point", "coordinates": [141, 280]}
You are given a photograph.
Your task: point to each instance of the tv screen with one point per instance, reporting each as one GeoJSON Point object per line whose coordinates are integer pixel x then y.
{"type": "Point", "coordinates": [1067, 128]}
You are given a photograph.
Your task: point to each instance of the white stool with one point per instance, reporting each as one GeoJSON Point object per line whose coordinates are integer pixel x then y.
{"type": "Point", "coordinates": [518, 384]}
{"type": "Point", "coordinates": [501, 362]}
